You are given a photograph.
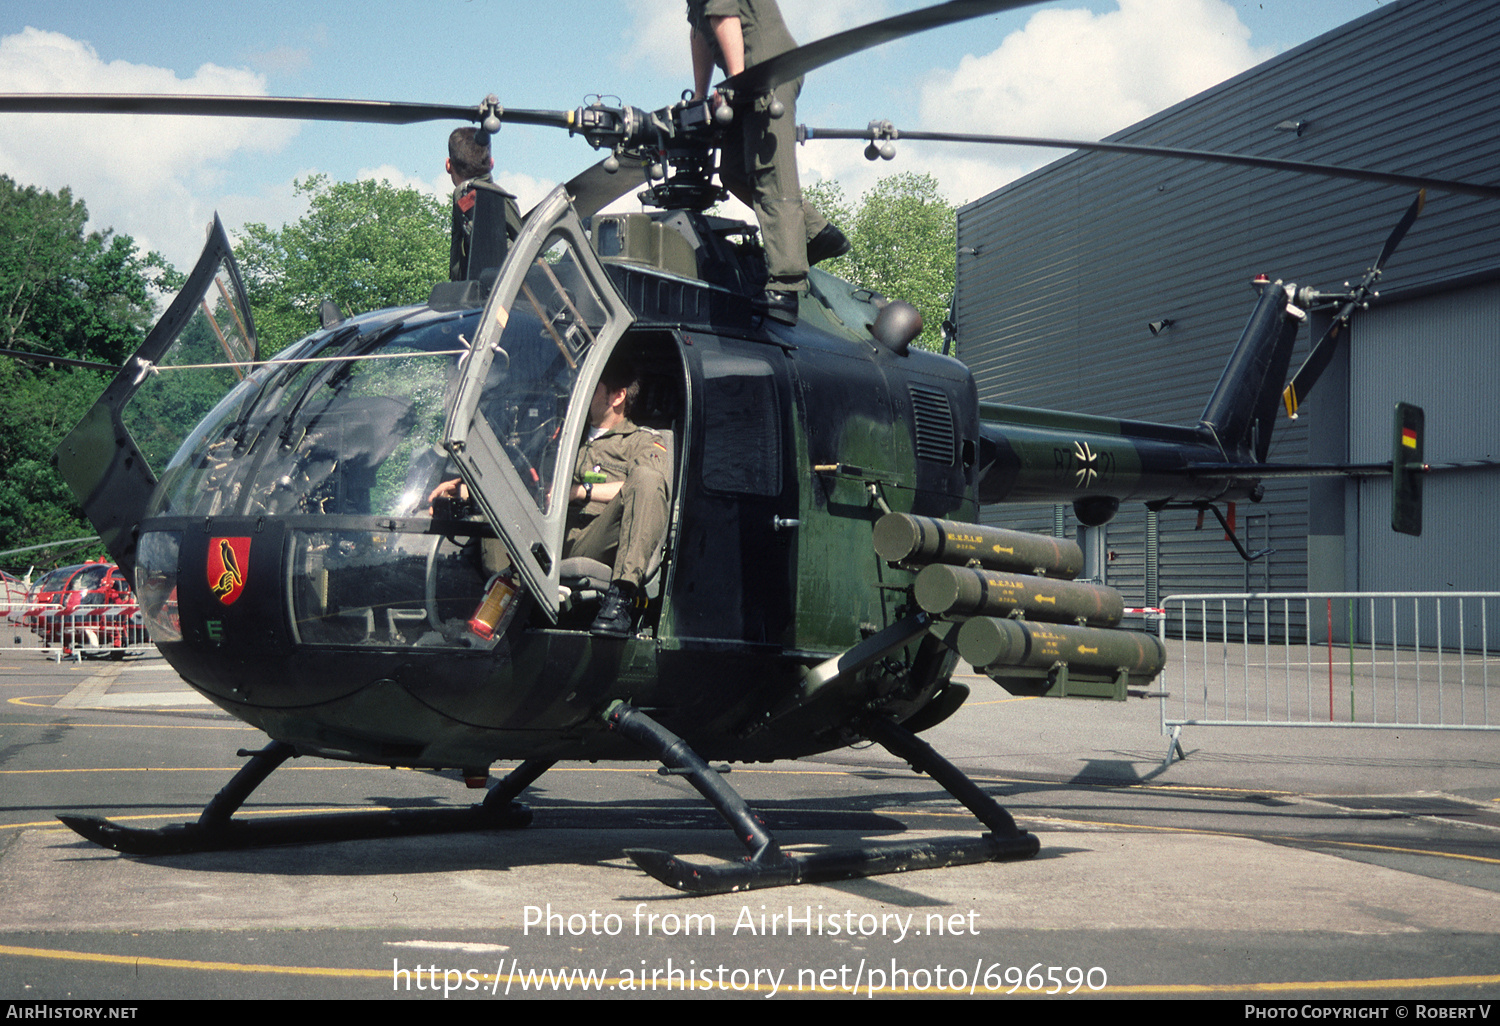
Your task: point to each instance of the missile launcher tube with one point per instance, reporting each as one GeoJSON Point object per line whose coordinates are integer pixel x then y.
{"type": "Point", "coordinates": [962, 591]}
{"type": "Point", "coordinates": [988, 642]}
{"type": "Point", "coordinates": [904, 538]}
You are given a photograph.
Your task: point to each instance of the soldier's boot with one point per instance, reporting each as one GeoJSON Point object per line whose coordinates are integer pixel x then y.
{"type": "Point", "coordinates": [614, 619]}
{"type": "Point", "coordinates": [781, 305]}
{"type": "Point", "coordinates": [827, 244]}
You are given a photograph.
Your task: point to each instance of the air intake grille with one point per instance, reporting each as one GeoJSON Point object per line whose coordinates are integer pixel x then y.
{"type": "Point", "coordinates": [936, 442]}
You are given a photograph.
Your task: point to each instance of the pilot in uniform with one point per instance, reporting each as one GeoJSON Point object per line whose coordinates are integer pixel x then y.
{"type": "Point", "coordinates": [625, 528]}
{"type": "Point", "coordinates": [619, 500]}
{"type": "Point", "coordinates": [759, 164]}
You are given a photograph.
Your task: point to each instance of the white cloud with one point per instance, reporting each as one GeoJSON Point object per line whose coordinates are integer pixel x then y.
{"type": "Point", "coordinates": [657, 36]}
{"type": "Point", "coordinates": [439, 186]}
{"type": "Point", "coordinates": [810, 20]}
{"type": "Point", "coordinates": [658, 33]}
{"type": "Point", "coordinates": [529, 191]}
{"type": "Point", "coordinates": [1073, 73]}
{"type": "Point", "coordinates": [138, 174]}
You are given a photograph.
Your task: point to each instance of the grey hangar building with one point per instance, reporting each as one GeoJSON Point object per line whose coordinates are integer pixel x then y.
{"type": "Point", "coordinates": [1061, 272]}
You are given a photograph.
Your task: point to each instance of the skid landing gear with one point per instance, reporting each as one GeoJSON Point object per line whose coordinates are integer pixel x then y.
{"type": "Point", "coordinates": [768, 866]}
{"type": "Point", "coordinates": [216, 831]}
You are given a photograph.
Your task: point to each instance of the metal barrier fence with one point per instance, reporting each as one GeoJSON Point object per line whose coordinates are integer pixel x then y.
{"type": "Point", "coordinates": [1409, 660]}
{"type": "Point", "coordinates": [84, 631]}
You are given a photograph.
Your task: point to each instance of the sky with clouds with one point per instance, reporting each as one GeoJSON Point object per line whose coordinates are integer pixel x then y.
{"type": "Point", "coordinates": [1079, 68]}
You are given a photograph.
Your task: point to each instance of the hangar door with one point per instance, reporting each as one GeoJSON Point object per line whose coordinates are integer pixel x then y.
{"type": "Point", "coordinates": [1443, 353]}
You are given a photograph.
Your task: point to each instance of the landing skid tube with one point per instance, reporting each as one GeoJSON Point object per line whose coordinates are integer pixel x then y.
{"type": "Point", "coordinates": [216, 831]}
{"type": "Point", "coordinates": [768, 866]}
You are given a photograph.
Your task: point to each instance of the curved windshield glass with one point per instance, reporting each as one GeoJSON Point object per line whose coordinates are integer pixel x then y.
{"type": "Point", "coordinates": [347, 422]}
{"type": "Point", "coordinates": [56, 580]}
{"type": "Point", "coordinates": [390, 589]}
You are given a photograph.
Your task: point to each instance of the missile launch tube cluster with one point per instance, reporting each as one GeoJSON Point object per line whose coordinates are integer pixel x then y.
{"type": "Point", "coordinates": [1016, 599]}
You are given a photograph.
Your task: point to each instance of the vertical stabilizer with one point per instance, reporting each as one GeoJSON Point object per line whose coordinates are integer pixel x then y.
{"type": "Point", "coordinates": [1241, 413]}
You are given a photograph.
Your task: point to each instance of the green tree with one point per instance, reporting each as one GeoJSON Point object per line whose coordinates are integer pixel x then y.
{"type": "Point", "coordinates": [65, 292]}
{"type": "Point", "coordinates": [38, 406]}
{"type": "Point", "coordinates": [364, 245]}
{"type": "Point", "coordinates": [904, 236]}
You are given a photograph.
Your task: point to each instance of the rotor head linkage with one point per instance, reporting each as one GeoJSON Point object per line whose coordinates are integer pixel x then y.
{"type": "Point", "coordinates": [490, 115]}
{"type": "Point", "coordinates": [883, 136]}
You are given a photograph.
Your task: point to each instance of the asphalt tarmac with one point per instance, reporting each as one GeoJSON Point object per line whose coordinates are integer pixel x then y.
{"type": "Point", "coordinates": [1271, 865]}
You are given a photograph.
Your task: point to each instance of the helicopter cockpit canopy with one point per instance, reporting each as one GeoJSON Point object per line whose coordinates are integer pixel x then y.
{"type": "Point", "coordinates": [317, 466]}
{"type": "Point", "coordinates": [346, 422]}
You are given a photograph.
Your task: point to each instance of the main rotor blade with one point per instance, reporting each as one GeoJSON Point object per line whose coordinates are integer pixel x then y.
{"type": "Point", "coordinates": [375, 112]}
{"type": "Point", "coordinates": [1175, 153]}
{"type": "Point", "coordinates": [594, 188]}
{"type": "Point", "coordinates": [784, 67]}
{"type": "Point", "coordinates": [1321, 353]}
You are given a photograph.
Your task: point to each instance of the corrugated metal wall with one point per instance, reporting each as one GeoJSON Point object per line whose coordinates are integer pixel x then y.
{"type": "Point", "coordinates": [1442, 353]}
{"type": "Point", "coordinates": [1060, 272]}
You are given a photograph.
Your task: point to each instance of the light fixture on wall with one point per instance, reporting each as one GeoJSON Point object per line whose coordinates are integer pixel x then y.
{"type": "Point", "coordinates": [1157, 327]}
{"type": "Point", "coordinates": [1293, 125]}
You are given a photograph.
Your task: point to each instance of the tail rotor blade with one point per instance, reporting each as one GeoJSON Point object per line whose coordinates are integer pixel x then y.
{"type": "Point", "coordinates": [1312, 368]}
{"type": "Point", "coordinates": [1402, 226]}
{"type": "Point", "coordinates": [1321, 354]}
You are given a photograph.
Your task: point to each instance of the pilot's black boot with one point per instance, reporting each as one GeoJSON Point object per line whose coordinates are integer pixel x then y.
{"type": "Point", "coordinates": [614, 618]}
{"type": "Point", "coordinates": [827, 244]}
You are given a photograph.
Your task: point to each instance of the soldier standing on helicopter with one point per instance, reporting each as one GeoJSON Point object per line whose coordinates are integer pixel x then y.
{"type": "Point", "coordinates": [469, 161]}
{"type": "Point", "coordinates": [759, 165]}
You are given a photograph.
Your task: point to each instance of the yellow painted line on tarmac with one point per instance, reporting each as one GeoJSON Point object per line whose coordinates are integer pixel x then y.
{"type": "Point", "coordinates": [192, 769]}
{"type": "Point", "coordinates": [1400, 851]}
{"type": "Point", "coordinates": [54, 825]}
{"type": "Point", "coordinates": [1307, 842]}
{"type": "Point", "coordinates": [194, 964]}
{"type": "Point", "coordinates": [533, 980]}
{"type": "Point", "coordinates": [386, 769]}
{"type": "Point", "coordinates": [1294, 986]}
{"type": "Point", "coordinates": [136, 726]}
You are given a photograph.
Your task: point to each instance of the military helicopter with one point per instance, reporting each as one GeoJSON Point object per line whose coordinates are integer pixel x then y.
{"type": "Point", "coordinates": [822, 572]}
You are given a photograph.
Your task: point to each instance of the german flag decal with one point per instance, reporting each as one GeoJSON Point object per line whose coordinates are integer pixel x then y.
{"type": "Point", "coordinates": [228, 559]}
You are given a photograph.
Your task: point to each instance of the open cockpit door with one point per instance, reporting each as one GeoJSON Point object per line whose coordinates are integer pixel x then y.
{"type": "Point", "coordinates": [113, 458]}
{"type": "Point", "coordinates": [522, 405]}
